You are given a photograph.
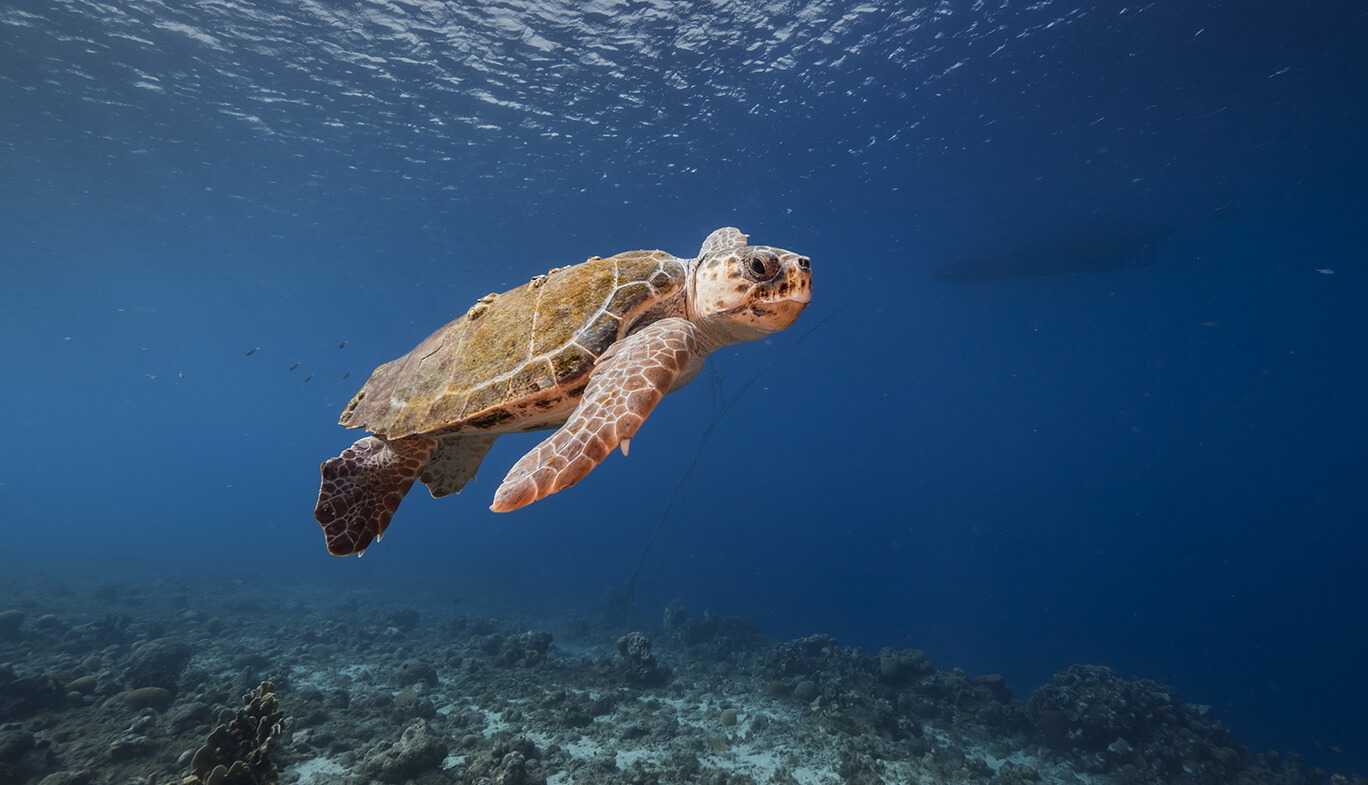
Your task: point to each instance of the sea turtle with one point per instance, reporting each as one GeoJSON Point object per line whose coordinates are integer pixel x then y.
{"type": "Point", "coordinates": [589, 349]}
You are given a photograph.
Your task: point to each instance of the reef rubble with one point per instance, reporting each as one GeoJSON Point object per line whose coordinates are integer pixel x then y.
{"type": "Point", "coordinates": [123, 684]}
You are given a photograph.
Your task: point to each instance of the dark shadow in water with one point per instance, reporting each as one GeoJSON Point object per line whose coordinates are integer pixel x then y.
{"type": "Point", "coordinates": [1087, 248]}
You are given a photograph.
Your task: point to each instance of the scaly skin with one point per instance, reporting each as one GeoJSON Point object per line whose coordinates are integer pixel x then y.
{"type": "Point", "coordinates": [362, 488]}
{"type": "Point", "coordinates": [626, 386]}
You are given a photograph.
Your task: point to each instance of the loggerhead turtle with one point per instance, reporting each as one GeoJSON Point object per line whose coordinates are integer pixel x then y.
{"type": "Point", "coordinates": [589, 349]}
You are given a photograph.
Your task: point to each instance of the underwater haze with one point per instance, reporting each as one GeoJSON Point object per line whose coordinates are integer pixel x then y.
{"type": "Point", "coordinates": [1081, 380]}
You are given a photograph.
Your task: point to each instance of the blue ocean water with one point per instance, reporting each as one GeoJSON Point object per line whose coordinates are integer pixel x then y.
{"type": "Point", "coordinates": [1080, 383]}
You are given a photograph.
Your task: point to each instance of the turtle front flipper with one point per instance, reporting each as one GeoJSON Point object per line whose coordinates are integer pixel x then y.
{"type": "Point", "coordinates": [722, 239]}
{"type": "Point", "coordinates": [362, 488]}
{"type": "Point", "coordinates": [628, 382]}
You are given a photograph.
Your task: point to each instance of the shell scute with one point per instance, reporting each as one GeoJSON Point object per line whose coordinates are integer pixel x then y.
{"type": "Point", "coordinates": [533, 378]}
{"type": "Point", "coordinates": [599, 334]}
{"type": "Point", "coordinates": [447, 407]}
{"type": "Point", "coordinates": [628, 297]}
{"type": "Point", "coordinates": [497, 341]}
{"type": "Point", "coordinates": [641, 266]}
{"type": "Point", "coordinates": [662, 282]}
{"type": "Point", "coordinates": [568, 363]}
{"type": "Point", "coordinates": [568, 297]}
{"type": "Point", "coordinates": [486, 396]}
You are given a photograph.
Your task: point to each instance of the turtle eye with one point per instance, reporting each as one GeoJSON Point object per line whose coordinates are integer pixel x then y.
{"type": "Point", "coordinates": [758, 268]}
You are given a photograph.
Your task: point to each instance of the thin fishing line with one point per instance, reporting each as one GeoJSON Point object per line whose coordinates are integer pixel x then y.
{"type": "Point", "coordinates": [686, 478]}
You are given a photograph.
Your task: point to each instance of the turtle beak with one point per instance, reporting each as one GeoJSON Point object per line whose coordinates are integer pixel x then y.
{"type": "Point", "coordinates": [792, 284]}
{"type": "Point", "coordinates": [778, 302]}
{"type": "Point", "coordinates": [798, 278]}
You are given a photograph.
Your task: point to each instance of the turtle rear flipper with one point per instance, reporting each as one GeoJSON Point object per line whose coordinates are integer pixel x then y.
{"type": "Point", "coordinates": [455, 462]}
{"type": "Point", "coordinates": [362, 488]}
{"type": "Point", "coordinates": [628, 382]}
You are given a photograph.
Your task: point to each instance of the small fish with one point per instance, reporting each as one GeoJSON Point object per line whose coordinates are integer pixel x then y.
{"type": "Point", "coordinates": [251, 352]}
{"type": "Point", "coordinates": [180, 375]}
{"type": "Point", "coordinates": [306, 378]}
{"type": "Point", "coordinates": [1325, 271]}
{"type": "Point", "coordinates": [152, 376]}
{"type": "Point", "coordinates": [342, 345]}
{"type": "Point", "coordinates": [292, 367]}
{"type": "Point", "coordinates": [1211, 324]}
{"type": "Point", "coordinates": [345, 375]}
{"type": "Point", "coordinates": [1336, 748]}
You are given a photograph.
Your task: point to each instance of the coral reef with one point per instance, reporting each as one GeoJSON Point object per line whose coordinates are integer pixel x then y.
{"type": "Point", "coordinates": [418, 749]}
{"type": "Point", "coordinates": [157, 663]}
{"type": "Point", "coordinates": [239, 752]}
{"type": "Point", "coordinates": [639, 664]}
{"type": "Point", "coordinates": [383, 693]}
{"type": "Point", "coordinates": [155, 698]}
{"type": "Point", "coordinates": [675, 614]}
{"type": "Point", "coordinates": [526, 649]}
{"type": "Point", "coordinates": [1139, 731]}
{"type": "Point", "coordinates": [23, 696]}
{"type": "Point", "coordinates": [414, 671]}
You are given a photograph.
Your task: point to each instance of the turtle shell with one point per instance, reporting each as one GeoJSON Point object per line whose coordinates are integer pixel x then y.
{"type": "Point", "coordinates": [519, 361]}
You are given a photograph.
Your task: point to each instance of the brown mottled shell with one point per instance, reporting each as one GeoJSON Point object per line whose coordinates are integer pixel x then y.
{"type": "Point", "coordinates": [518, 361]}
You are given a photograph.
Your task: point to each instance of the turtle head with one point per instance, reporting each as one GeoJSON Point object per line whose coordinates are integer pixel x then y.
{"type": "Point", "coordinates": [747, 292]}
